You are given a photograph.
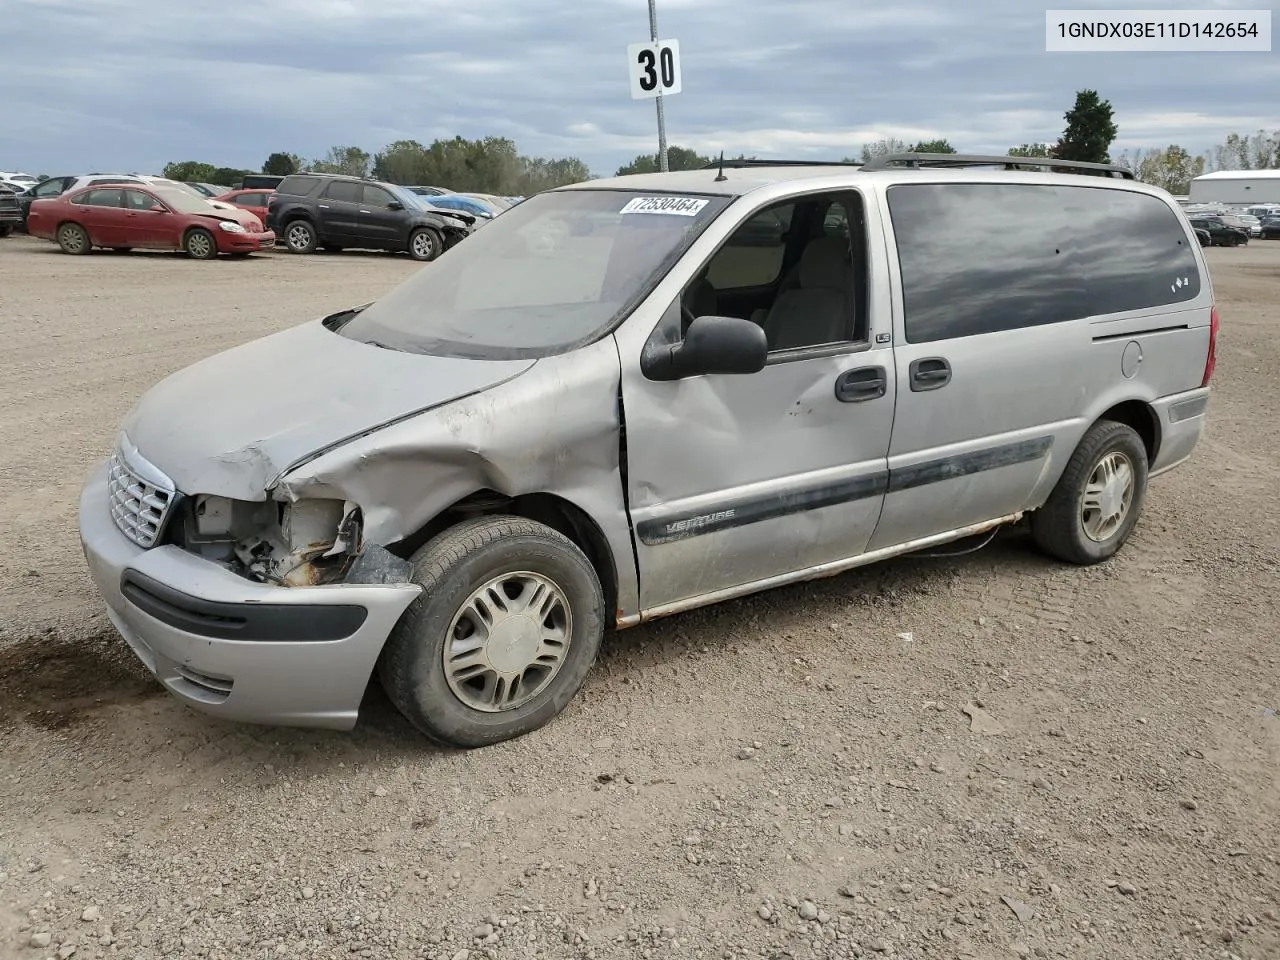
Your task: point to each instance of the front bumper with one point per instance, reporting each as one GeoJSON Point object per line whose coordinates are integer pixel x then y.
{"type": "Point", "coordinates": [245, 242]}
{"type": "Point", "coordinates": [185, 610]}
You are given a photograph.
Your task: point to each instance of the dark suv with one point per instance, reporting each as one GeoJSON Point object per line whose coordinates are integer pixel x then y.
{"type": "Point", "coordinates": [310, 210]}
{"type": "Point", "coordinates": [10, 212]}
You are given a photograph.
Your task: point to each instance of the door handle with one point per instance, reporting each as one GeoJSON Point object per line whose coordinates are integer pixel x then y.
{"type": "Point", "coordinates": [864, 383]}
{"type": "Point", "coordinates": [364, 211]}
{"type": "Point", "coordinates": [929, 373]}
{"type": "Point", "coordinates": [323, 206]}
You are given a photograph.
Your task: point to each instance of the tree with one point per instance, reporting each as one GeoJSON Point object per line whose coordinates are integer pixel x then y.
{"type": "Point", "coordinates": [404, 161]}
{"type": "Point", "coordinates": [881, 148]}
{"type": "Point", "coordinates": [189, 170]}
{"type": "Point", "coordinates": [1031, 150]}
{"type": "Point", "coordinates": [933, 146]}
{"type": "Point", "coordinates": [678, 158]}
{"type": "Point", "coordinates": [1090, 130]}
{"type": "Point", "coordinates": [227, 176]}
{"type": "Point", "coordinates": [282, 164]}
{"type": "Point", "coordinates": [351, 161]}
{"type": "Point", "coordinates": [1258, 152]}
{"type": "Point", "coordinates": [1172, 168]}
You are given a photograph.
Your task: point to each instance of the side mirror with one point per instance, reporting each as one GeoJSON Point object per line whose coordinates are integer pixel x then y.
{"type": "Point", "coordinates": [711, 345]}
{"type": "Point", "coordinates": [157, 208]}
{"type": "Point", "coordinates": [395, 205]}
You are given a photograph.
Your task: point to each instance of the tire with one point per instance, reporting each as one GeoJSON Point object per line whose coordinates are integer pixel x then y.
{"type": "Point", "coordinates": [73, 239]}
{"type": "Point", "coordinates": [425, 244]}
{"type": "Point", "coordinates": [6, 229]}
{"type": "Point", "coordinates": [200, 244]}
{"type": "Point", "coordinates": [300, 237]}
{"type": "Point", "coordinates": [1063, 528]}
{"type": "Point", "coordinates": [478, 558]}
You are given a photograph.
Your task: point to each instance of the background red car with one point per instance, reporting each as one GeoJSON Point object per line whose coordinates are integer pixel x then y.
{"type": "Point", "coordinates": [146, 216]}
{"type": "Point", "coordinates": [250, 200]}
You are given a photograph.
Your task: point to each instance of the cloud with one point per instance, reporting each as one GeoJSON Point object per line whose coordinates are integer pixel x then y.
{"type": "Point", "coordinates": [133, 84]}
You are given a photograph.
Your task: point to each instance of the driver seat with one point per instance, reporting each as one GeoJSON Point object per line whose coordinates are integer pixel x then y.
{"type": "Point", "coordinates": [815, 311]}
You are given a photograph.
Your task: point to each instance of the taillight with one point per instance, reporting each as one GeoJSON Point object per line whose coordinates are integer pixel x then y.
{"type": "Point", "coordinates": [1212, 358]}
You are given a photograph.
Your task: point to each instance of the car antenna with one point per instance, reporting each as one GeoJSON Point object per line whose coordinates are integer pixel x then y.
{"type": "Point", "coordinates": [720, 177]}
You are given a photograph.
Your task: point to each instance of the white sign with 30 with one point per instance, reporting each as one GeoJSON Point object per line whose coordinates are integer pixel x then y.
{"type": "Point", "coordinates": [655, 69]}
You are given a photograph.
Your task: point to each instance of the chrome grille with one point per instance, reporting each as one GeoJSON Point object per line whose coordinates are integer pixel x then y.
{"type": "Point", "coordinates": [138, 494]}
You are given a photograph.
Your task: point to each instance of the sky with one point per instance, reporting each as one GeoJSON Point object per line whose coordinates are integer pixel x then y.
{"type": "Point", "coordinates": [129, 85]}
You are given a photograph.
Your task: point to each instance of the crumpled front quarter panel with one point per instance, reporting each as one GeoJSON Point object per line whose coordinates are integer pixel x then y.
{"type": "Point", "coordinates": [553, 430]}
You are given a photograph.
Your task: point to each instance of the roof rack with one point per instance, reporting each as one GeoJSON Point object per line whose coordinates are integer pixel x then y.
{"type": "Point", "coordinates": [1009, 163]}
{"type": "Point", "coordinates": [742, 164]}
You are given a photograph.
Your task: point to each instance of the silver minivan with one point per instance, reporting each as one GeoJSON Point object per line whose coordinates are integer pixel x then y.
{"type": "Point", "coordinates": [635, 396]}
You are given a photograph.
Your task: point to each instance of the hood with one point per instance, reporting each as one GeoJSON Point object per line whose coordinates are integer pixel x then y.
{"type": "Point", "coordinates": [233, 423]}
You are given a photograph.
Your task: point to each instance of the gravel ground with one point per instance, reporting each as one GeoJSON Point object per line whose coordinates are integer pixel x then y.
{"type": "Point", "coordinates": [980, 756]}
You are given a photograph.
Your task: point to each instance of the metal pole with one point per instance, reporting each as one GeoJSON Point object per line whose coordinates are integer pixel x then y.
{"type": "Point", "coordinates": [662, 117]}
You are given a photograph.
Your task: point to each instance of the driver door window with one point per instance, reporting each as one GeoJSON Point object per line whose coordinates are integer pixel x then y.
{"type": "Point", "coordinates": [798, 269]}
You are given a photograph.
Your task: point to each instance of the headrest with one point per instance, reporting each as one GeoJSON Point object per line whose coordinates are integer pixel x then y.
{"type": "Point", "coordinates": [825, 264]}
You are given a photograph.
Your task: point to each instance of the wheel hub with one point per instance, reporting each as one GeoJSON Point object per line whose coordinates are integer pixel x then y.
{"type": "Point", "coordinates": [513, 644]}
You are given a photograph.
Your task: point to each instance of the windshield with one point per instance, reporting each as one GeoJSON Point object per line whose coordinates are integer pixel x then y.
{"type": "Point", "coordinates": [181, 200]}
{"type": "Point", "coordinates": [550, 274]}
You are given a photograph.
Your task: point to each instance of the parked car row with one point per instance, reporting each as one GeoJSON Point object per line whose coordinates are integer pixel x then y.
{"type": "Point", "coordinates": [306, 211]}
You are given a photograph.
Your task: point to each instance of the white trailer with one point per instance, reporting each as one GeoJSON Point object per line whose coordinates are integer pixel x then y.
{"type": "Point", "coordinates": [1237, 187]}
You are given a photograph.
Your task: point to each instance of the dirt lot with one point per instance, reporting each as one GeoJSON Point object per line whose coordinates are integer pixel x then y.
{"type": "Point", "coordinates": [784, 776]}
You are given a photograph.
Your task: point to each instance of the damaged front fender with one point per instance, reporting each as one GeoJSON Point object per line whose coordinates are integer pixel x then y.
{"type": "Point", "coordinates": [555, 430]}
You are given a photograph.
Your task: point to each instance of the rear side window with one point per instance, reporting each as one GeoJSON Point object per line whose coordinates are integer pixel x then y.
{"type": "Point", "coordinates": [297, 186]}
{"type": "Point", "coordinates": [100, 198]}
{"type": "Point", "coordinates": [980, 258]}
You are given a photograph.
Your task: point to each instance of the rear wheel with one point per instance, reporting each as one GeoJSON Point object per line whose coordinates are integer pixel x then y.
{"type": "Point", "coordinates": [300, 237]}
{"type": "Point", "coordinates": [6, 229]}
{"type": "Point", "coordinates": [425, 245]}
{"type": "Point", "coordinates": [502, 636]}
{"type": "Point", "coordinates": [1098, 499]}
{"type": "Point", "coordinates": [73, 239]}
{"type": "Point", "coordinates": [200, 244]}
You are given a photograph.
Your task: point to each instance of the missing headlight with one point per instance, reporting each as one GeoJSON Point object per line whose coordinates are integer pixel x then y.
{"type": "Point", "coordinates": [312, 543]}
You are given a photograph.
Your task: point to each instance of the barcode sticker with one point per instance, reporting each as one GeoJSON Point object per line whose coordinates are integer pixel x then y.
{"type": "Point", "coordinates": [672, 206]}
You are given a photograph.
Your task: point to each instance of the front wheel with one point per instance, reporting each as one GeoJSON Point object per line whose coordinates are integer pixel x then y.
{"type": "Point", "coordinates": [502, 636]}
{"type": "Point", "coordinates": [200, 244]}
{"type": "Point", "coordinates": [425, 245]}
{"type": "Point", "coordinates": [1098, 499]}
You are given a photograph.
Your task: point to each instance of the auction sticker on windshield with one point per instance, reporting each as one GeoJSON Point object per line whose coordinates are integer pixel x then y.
{"type": "Point", "coordinates": [674, 206]}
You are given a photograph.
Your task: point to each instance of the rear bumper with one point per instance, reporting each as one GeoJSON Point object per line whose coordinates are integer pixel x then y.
{"type": "Point", "coordinates": [1182, 417]}
{"type": "Point", "coordinates": [290, 656]}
